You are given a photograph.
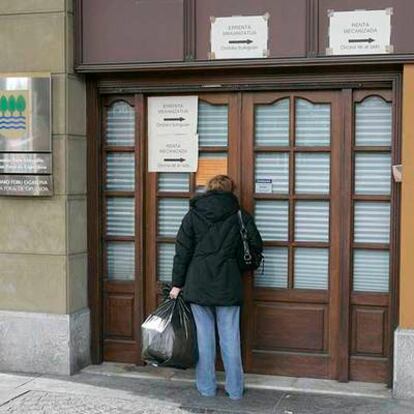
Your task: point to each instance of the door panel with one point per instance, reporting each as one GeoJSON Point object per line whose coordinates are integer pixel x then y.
{"type": "Point", "coordinates": [293, 140]}
{"type": "Point", "coordinates": [169, 193]}
{"type": "Point", "coordinates": [371, 255]}
{"type": "Point", "coordinates": [121, 229]}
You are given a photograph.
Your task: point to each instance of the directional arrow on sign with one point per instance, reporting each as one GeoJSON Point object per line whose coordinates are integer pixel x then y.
{"type": "Point", "coordinates": [247, 41]}
{"type": "Point", "coordinates": [369, 40]}
{"type": "Point", "coordinates": [175, 119]}
{"type": "Point", "coordinates": [174, 159]}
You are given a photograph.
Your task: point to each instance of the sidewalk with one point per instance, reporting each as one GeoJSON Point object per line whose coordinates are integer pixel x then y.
{"type": "Point", "coordinates": [97, 390]}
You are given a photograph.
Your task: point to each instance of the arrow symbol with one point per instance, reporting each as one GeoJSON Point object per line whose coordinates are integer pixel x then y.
{"type": "Point", "coordinates": [175, 119]}
{"type": "Point", "coordinates": [247, 41]}
{"type": "Point", "coordinates": [174, 159]}
{"type": "Point", "coordinates": [369, 40]}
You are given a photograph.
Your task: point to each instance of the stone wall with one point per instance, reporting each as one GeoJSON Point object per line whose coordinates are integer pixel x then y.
{"type": "Point", "coordinates": [43, 260]}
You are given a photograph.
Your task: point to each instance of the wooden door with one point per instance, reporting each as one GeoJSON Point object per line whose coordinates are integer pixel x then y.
{"type": "Point", "coordinates": [314, 168]}
{"type": "Point", "coordinates": [121, 229]}
{"type": "Point", "coordinates": [168, 194]}
{"type": "Point", "coordinates": [293, 141]}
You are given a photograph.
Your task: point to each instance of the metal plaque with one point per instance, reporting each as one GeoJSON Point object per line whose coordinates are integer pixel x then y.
{"type": "Point", "coordinates": [25, 136]}
{"type": "Point", "coordinates": [26, 185]}
{"type": "Point", "coordinates": [17, 163]}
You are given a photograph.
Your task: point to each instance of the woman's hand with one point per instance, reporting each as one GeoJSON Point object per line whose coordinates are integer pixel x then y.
{"type": "Point", "coordinates": [175, 291]}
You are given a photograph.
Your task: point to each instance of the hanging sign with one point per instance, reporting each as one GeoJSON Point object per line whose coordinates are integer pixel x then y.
{"type": "Point", "coordinates": [359, 32]}
{"type": "Point", "coordinates": [172, 134]}
{"type": "Point", "coordinates": [239, 37]}
{"type": "Point", "coordinates": [25, 136]}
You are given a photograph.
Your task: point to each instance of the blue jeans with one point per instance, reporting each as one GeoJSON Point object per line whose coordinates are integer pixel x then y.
{"type": "Point", "coordinates": [228, 326]}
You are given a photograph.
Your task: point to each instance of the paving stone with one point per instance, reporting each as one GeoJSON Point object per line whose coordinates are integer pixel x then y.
{"type": "Point", "coordinates": [323, 404]}
{"type": "Point", "coordinates": [36, 402]}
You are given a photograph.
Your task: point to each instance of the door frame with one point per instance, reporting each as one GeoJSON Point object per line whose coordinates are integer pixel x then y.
{"type": "Point", "coordinates": [356, 77]}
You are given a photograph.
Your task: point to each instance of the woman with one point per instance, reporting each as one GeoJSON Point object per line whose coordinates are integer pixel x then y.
{"type": "Point", "coordinates": [206, 269]}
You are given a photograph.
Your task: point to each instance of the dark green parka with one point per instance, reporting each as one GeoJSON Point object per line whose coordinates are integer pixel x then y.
{"type": "Point", "coordinates": [207, 247]}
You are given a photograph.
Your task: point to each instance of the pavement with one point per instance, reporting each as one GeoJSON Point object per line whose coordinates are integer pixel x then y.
{"type": "Point", "coordinates": [102, 392]}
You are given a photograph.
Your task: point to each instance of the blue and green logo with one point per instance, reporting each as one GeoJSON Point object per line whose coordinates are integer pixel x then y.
{"type": "Point", "coordinates": [12, 112]}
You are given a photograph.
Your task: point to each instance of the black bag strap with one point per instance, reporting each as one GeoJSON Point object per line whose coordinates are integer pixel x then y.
{"type": "Point", "coordinates": [245, 239]}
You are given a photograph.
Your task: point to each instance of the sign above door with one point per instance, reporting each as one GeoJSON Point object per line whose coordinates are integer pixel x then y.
{"type": "Point", "coordinates": [239, 37]}
{"type": "Point", "coordinates": [359, 32]}
{"type": "Point", "coordinates": [172, 134]}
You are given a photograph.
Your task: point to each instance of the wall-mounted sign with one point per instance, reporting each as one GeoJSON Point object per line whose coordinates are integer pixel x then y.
{"type": "Point", "coordinates": [263, 185]}
{"type": "Point", "coordinates": [239, 37]}
{"type": "Point", "coordinates": [359, 32]}
{"type": "Point", "coordinates": [172, 134]}
{"type": "Point", "coordinates": [25, 136]}
{"type": "Point", "coordinates": [208, 168]}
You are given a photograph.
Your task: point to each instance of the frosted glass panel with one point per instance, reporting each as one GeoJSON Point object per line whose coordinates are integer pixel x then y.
{"type": "Point", "coordinates": [312, 221]}
{"type": "Point", "coordinates": [209, 165]}
{"type": "Point", "coordinates": [272, 219]}
{"type": "Point", "coordinates": [372, 173]}
{"type": "Point", "coordinates": [275, 268]}
{"type": "Point", "coordinates": [274, 166]}
{"type": "Point", "coordinates": [313, 123]}
{"type": "Point", "coordinates": [311, 268]}
{"type": "Point", "coordinates": [371, 271]}
{"type": "Point", "coordinates": [372, 222]}
{"type": "Point", "coordinates": [174, 182]}
{"type": "Point", "coordinates": [170, 213]}
{"type": "Point", "coordinates": [312, 173]}
{"type": "Point", "coordinates": [120, 212]}
{"type": "Point", "coordinates": [120, 125]}
{"type": "Point", "coordinates": [165, 261]}
{"type": "Point", "coordinates": [212, 125]}
{"type": "Point", "coordinates": [120, 260]}
{"type": "Point", "coordinates": [120, 172]}
{"type": "Point", "coordinates": [373, 122]}
{"type": "Point", "coordinates": [272, 124]}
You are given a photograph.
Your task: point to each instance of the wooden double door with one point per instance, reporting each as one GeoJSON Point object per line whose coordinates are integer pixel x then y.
{"type": "Point", "coordinates": [314, 168]}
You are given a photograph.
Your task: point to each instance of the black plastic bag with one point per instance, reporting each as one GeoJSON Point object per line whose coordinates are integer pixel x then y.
{"type": "Point", "coordinates": [169, 335]}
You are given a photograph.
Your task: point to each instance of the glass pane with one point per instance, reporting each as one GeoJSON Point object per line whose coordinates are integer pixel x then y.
{"type": "Point", "coordinates": [120, 125]}
{"type": "Point", "coordinates": [313, 123]}
{"type": "Point", "coordinates": [275, 268]}
{"type": "Point", "coordinates": [272, 219]}
{"type": "Point", "coordinates": [372, 173]}
{"type": "Point", "coordinates": [272, 124]}
{"type": "Point", "coordinates": [120, 172]}
{"type": "Point", "coordinates": [312, 173]}
{"type": "Point", "coordinates": [372, 222]}
{"type": "Point", "coordinates": [212, 125]}
{"type": "Point", "coordinates": [311, 268]}
{"type": "Point", "coordinates": [170, 213]}
{"type": "Point", "coordinates": [373, 122]}
{"type": "Point", "coordinates": [209, 165]}
{"type": "Point", "coordinates": [312, 221]}
{"type": "Point", "coordinates": [120, 260]}
{"type": "Point", "coordinates": [371, 271]}
{"type": "Point", "coordinates": [274, 167]}
{"type": "Point", "coordinates": [166, 254]}
{"type": "Point", "coordinates": [120, 216]}
{"type": "Point", "coordinates": [174, 182]}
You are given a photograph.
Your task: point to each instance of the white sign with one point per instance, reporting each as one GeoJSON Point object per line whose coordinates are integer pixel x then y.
{"type": "Point", "coordinates": [263, 185]}
{"type": "Point", "coordinates": [239, 37]}
{"type": "Point", "coordinates": [172, 134]}
{"type": "Point", "coordinates": [359, 32]}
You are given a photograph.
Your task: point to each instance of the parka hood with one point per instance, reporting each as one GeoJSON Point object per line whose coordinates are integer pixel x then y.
{"type": "Point", "coordinates": [215, 205]}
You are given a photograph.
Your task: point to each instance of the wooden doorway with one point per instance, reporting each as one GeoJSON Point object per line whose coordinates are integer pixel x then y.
{"type": "Point", "coordinates": [322, 307]}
